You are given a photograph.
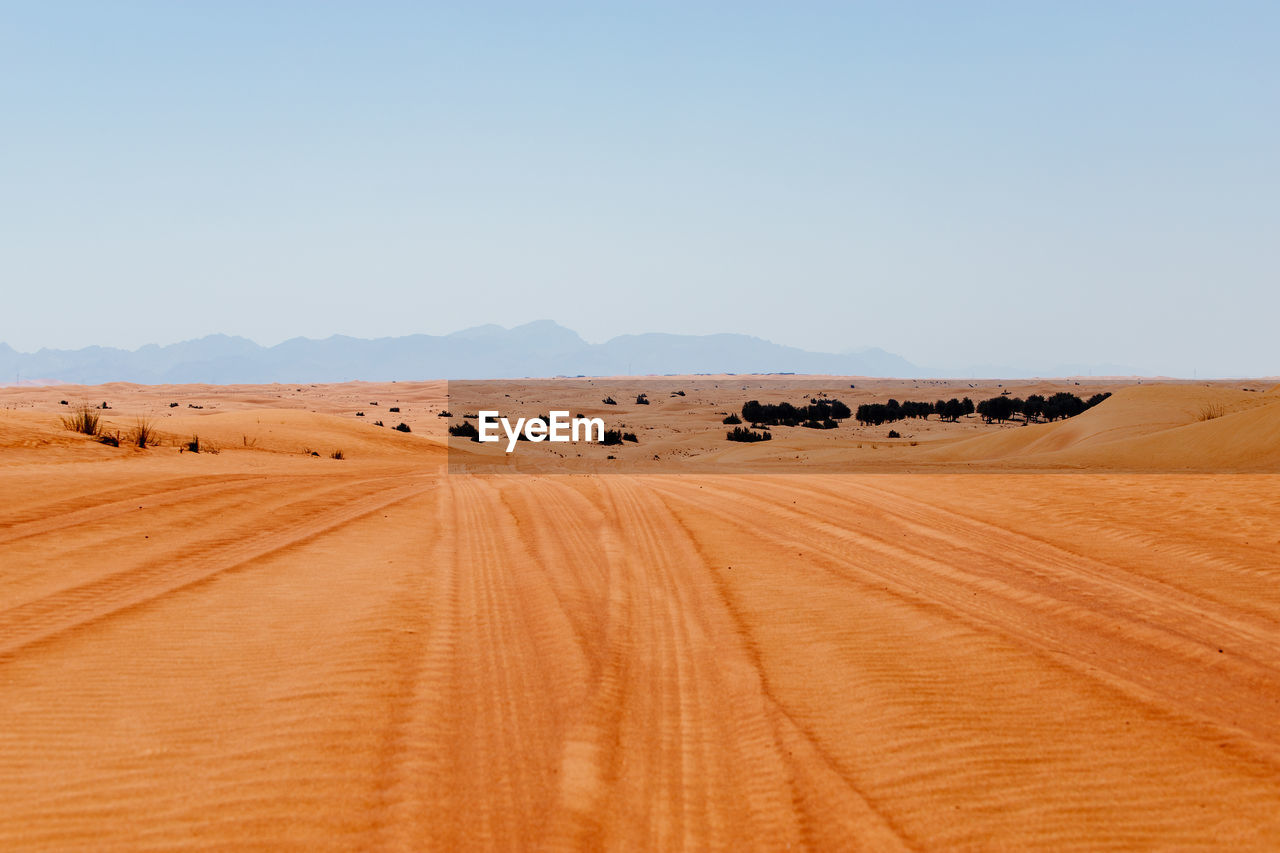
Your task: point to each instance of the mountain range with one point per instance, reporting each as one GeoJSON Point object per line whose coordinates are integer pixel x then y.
{"type": "Point", "coordinates": [541, 348]}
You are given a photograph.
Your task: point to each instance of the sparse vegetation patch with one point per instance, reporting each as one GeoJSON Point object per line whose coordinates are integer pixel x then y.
{"type": "Point", "coordinates": [748, 435]}
{"type": "Point", "coordinates": [85, 420]}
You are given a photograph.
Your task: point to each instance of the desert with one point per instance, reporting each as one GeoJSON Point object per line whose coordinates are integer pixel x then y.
{"type": "Point", "coordinates": [313, 632]}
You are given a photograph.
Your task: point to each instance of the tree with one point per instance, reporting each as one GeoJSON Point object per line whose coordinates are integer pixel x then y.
{"type": "Point", "coordinates": [996, 409]}
{"type": "Point", "coordinates": [1064, 404]}
{"type": "Point", "coordinates": [1033, 406]}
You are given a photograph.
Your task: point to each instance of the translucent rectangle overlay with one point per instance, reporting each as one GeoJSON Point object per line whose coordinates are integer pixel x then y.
{"type": "Point", "coordinates": [675, 425]}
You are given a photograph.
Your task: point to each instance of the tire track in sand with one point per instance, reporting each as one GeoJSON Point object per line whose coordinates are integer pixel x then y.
{"type": "Point", "coordinates": [75, 607]}
{"type": "Point", "coordinates": [1131, 636]}
{"type": "Point", "coordinates": [679, 747]}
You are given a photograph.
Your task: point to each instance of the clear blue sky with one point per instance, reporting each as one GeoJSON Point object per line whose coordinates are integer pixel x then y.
{"type": "Point", "coordinates": [961, 183]}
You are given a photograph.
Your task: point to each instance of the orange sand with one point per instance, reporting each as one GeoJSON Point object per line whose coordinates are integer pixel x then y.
{"type": "Point", "coordinates": [263, 648]}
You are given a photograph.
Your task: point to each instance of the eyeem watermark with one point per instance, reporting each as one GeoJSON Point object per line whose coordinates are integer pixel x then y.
{"type": "Point", "coordinates": [560, 428]}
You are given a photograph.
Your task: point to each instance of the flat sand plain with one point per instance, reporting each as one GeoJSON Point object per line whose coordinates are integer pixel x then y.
{"type": "Point", "coordinates": [1052, 636]}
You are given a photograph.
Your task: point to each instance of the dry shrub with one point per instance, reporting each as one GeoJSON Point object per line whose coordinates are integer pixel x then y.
{"type": "Point", "coordinates": [144, 433]}
{"type": "Point", "coordinates": [1209, 411]}
{"type": "Point", "coordinates": [85, 420]}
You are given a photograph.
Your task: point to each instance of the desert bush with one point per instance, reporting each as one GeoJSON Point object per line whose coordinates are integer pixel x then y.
{"type": "Point", "coordinates": [609, 401]}
{"type": "Point", "coordinates": [732, 419]}
{"type": "Point", "coordinates": [744, 434]}
{"type": "Point", "coordinates": [893, 433]}
{"type": "Point", "coordinates": [445, 414]}
{"type": "Point", "coordinates": [194, 444]}
{"type": "Point", "coordinates": [631, 437]}
{"type": "Point", "coordinates": [394, 409]}
{"type": "Point", "coordinates": [1210, 411]}
{"type": "Point", "coordinates": [611, 437]}
{"type": "Point", "coordinates": [63, 403]}
{"type": "Point", "coordinates": [402, 427]}
{"type": "Point", "coordinates": [110, 440]}
{"type": "Point", "coordinates": [85, 420]}
{"type": "Point", "coordinates": [173, 405]}
{"type": "Point", "coordinates": [337, 454]}
{"type": "Point", "coordinates": [359, 414]}
{"type": "Point", "coordinates": [466, 429]}
{"type": "Point", "coordinates": [642, 399]}
{"type": "Point", "coordinates": [144, 434]}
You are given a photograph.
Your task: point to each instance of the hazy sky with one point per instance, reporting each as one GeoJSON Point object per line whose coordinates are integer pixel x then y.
{"type": "Point", "coordinates": [966, 183]}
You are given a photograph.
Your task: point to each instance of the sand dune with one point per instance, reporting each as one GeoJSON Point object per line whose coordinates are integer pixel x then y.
{"type": "Point", "coordinates": [1149, 427]}
{"type": "Point", "coordinates": [263, 648]}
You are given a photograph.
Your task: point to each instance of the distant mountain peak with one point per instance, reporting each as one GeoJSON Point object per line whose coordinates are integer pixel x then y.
{"type": "Point", "coordinates": [538, 348]}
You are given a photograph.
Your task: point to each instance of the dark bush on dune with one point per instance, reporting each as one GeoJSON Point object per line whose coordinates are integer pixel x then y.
{"type": "Point", "coordinates": [609, 401]}
{"type": "Point", "coordinates": [402, 427]}
{"type": "Point", "coordinates": [466, 429]}
{"type": "Point", "coordinates": [744, 434]}
{"type": "Point", "coordinates": [611, 437]}
{"type": "Point", "coordinates": [732, 419]}
{"type": "Point", "coordinates": [642, 399]}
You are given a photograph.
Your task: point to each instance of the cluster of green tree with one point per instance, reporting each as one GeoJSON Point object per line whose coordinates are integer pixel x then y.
{"type": "Point", "coordinates": [875, 414]}
{"type": "Point", "coordinates": [1002, 408]}
{"type": "Point", "coordinates": [953, 409]}
{"type": "Point", "coordinates": [1035, 407]}
{"type": "Point", "coordinates": [744, 434]}
{"type": "Point", "coordinates": [821, 413]}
